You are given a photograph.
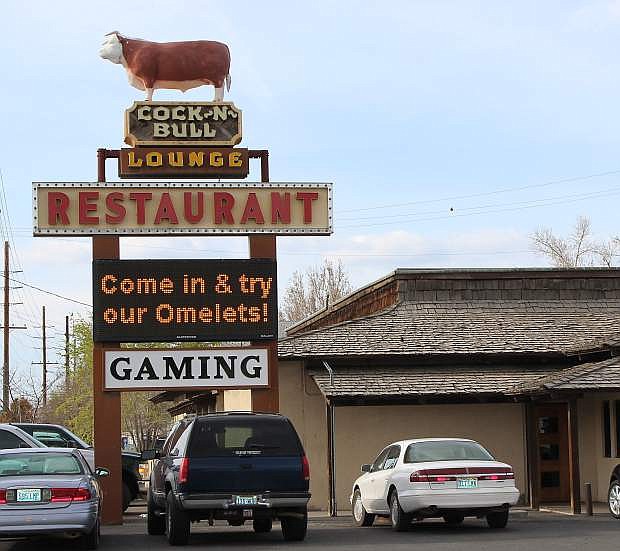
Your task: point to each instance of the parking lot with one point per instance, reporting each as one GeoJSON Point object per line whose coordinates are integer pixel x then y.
{"type": "Point", "coordinates": [532, 531]}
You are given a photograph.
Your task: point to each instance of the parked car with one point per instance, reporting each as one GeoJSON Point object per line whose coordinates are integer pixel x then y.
{"type": "Point", "coordinates": [14, 437]}
{"type": "Point", "coordinates": [613, 495]}
{"type": "Point", "coordinates": [230, 466]}
{"type": "Point", "coordinates": [434, 478]}
{"type": "Point", "coordinates": [59, 436]}
{"type": "Point", "coordinates": [49, 491]}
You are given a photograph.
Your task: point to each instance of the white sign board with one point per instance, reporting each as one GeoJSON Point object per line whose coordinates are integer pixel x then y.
{"type": "Point", "coordinates": [213, 368]}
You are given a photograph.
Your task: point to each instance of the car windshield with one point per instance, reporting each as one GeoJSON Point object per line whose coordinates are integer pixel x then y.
{"type": "Point", "coordinates": [54, 437]}
{"type": "Point", "coordinates": [446, 450]}
{"type": "Point", "coordinates": [26, 464]}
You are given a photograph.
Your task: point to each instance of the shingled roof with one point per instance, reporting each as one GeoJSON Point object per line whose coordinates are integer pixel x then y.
{"type": "Point", "coordinates": [384, 383]}
{"type": "Point", "coordinates": [415, 328]}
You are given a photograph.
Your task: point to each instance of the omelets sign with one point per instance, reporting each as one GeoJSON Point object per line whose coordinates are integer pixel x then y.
{"type": "Point", "coordinates": [216, 368]}
{"type": "Point", "coordinates": [184, 300]}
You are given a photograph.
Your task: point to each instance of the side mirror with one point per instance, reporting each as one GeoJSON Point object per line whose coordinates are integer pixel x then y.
{"type": "Point", "coordinates": [100, 472]}
{"type": "Point", "coordinates": [148, 455]}
{"type": "Point", "coordinates": [366, 467]}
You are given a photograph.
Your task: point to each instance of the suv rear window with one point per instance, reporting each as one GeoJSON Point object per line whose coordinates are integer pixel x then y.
{"type": "Point", "coordinates": [226, 436]}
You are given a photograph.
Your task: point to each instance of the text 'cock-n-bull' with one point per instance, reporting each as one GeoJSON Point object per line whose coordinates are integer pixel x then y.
{"type": "Point", "coordinates": [173, 65]}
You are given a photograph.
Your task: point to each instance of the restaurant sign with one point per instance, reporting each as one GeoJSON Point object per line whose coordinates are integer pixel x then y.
{"type": "Point", "coordinates": [182, 208]}
{"type": "Point", "coordinates": [182, 123]}
{"type": "Point", "coordinates": [183, 162]}
{"type": "Point", "coordinates": [211, 368]}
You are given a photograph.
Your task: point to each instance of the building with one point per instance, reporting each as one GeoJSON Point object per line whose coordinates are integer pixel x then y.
{"type": "Point", "coordinates": [524, 361]}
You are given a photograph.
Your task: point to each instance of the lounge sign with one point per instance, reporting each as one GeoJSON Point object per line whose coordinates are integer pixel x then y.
{"type": "Point", "coordinates": [184, 300]}
{"type": "Point", "coordinates": [82, 208]}
{"type": "Point", "coordinates": [171, 123]}
{"type": "Point", "coordinates": [183, 162]}
{"type": "Point", "coordinates": [213, 368]}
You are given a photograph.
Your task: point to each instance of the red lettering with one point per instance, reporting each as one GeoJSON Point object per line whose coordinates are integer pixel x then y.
{"type": "Point", "coordinates": [307, 197]}
{"type": "Point", "coordinates": [85, 206]}
{"type": "Point", "coordinates": [140, 198]}
{"type": "Point", "coordinates": [223, 202]}
{"type": "Point", "coordinates": [189, 212]}
{"type": "Point", "coordinates": [252, 210]}
{"type": "Point", "coordinates": [280, 208]}
{"type": "Point", "coordinates": [165, 210]}
{"type": "Point", "coordinates": [57, 205]}
{"type": "Point", "coordinates": [114, 203]}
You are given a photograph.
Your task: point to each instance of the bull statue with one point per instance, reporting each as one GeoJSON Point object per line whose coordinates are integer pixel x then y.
{"type": "Point", "coordinates": [172, 65]}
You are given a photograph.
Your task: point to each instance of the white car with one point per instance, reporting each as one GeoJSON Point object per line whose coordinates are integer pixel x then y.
{"type": "Point", "coordinates": [451, 478]}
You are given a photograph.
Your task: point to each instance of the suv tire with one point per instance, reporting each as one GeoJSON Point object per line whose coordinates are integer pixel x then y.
{"type": "Point", "coordinates": [177, 522]}
{"type": "Point", "coordinates": [155, 524]}
{"type": "Point", "coordinates": [262, 525]}
{"type": "Point", "coordinates": [294, 528]}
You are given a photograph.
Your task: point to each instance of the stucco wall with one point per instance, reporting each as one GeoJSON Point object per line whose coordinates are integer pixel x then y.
{"type": "Point", "coordinates": [237, 400]}
{"type": "Point", "coordinates": [594, 466]}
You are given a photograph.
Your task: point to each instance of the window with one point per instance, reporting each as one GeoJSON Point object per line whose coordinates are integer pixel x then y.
{"type": "Point", "coordinates": [28, 464]}
{"type": "Point", "coordinates": [378, 464]}
{"type": "Point", "coordinates": [606, 429]}
{"type": "Point", "coordinates": [446, 450]}
{"type": "Point", "coordinates": [8, 440]}
{"type": "Point", "coordinates": [392, 457]}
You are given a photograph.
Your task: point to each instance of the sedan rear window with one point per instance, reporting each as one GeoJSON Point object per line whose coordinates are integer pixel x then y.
{"type": "Point", "coordinates": [25, 464]}
{"type": "Point", "coordinates": [446, 450]}
{"type": "Point", "coordinates": [244, 437]}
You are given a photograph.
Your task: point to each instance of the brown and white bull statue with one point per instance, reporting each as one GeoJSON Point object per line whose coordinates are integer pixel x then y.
{"type": "Point", "coordinates": [173, 65]}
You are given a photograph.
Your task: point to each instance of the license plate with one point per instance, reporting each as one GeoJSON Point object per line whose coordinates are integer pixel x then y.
{"type": "Point", "coordinates": [467, 483]}
{"type": "Point", "coordinates": [246, 500]}
{"type": "Point", "coordinates": [29, 495]}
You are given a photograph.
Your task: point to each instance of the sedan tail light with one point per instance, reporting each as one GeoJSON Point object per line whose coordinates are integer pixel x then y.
{"type": "Point", "coordinates": [184, 471]}
{"type": "Point", "coordinates": [2, 497]}
{"type": "Point", "coordinates": [66, 495]}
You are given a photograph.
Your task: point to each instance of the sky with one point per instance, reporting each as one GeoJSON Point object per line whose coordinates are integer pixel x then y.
{"type": "Point", "coordinates": [452, 130]}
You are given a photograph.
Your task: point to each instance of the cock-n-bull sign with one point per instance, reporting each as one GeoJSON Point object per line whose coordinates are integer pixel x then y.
{"type": "Point", "coordinates": [173, 65]}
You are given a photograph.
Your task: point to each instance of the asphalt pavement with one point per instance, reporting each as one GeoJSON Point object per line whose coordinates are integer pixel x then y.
{"type": "Point", "coordinates": [531, 531]}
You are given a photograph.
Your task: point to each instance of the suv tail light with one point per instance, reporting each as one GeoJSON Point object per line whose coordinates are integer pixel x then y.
{"type": "Point", "coordinates": [184, 471]}
{"type": "Point", "coordinates": [305, 467]}
{"type": "Point", "coordinates": [66, 495]}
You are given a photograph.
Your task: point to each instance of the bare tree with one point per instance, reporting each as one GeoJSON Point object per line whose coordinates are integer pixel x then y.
{"type": "Point", "coordinates": [578, 249]}
{"type": "Point", "coordinates": [313, 289]}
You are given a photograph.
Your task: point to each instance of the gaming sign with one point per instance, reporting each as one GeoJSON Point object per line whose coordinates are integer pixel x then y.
{"type": "Point", "coordinates": [184, 300]}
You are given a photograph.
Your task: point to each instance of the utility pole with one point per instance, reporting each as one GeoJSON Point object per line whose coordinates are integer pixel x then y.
{"type": "Point", "coordinates": [66, 351]}
{"type": "Point", "coordinates": [44, 362]}
{"type": "Point", "coordinates": [5, 365]}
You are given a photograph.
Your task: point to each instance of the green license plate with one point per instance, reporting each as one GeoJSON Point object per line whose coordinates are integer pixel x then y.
{"type": "Point", "coordinates": [467, 483]}
{"type": "Point", "coordinates": [28, 495]}
{"type": "Point", "coordinates": [246, 500]}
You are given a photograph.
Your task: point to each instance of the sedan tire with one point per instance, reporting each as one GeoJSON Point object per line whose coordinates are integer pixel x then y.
{"type": "Point", "coordinates": [91, 539]}
{"type": "Point", "coordinates": [177, 522]}
{"type": "Point", "coordinates": [613, 499]}
{"type": "Point", "coordinates": [361, 517]}
{"type": "Point", "coordinates": [400, 521]}
{"type": "Point", "coordinates": [497, 520]}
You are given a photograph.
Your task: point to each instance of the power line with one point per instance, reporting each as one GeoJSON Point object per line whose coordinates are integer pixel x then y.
{"type": "Point", "coordinates": [50, 293]}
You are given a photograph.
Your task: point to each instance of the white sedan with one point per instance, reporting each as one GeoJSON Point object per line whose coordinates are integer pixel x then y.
{"type": "Point", "coordinates": [433, 478]}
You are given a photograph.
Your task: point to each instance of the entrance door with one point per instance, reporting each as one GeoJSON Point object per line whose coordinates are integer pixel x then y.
{"type": "Point", "coordinates": [552, 437]}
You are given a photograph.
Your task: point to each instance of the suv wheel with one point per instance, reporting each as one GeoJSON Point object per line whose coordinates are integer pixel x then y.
{"type": "Point", "coordinates": [177, 522]}
{"type": "Point", "coordinates": [294, 528]}
{"type": "Point", "coordinates": [361, 517]}
{"type": "Point", "coordinates": [262, 525]}
{"type": "Point", "coordinates": [400, 521]}
{"type": "Point", "coordinates": [497, 520]}
{"type": "Point", "coordinates": [613, 499]}
{"type": "Point", "coordinates": [155, 524]}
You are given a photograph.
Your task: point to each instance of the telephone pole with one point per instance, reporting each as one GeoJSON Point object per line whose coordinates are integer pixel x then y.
{"type": "Point", "coordinates": [44, 362]}
{"type": "Point", "coordinates": [66, 351]}
{"type": "Point", "coordinates": [5, 365]}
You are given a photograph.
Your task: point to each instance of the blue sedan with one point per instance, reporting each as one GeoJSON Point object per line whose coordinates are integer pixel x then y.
{"type": "Point", "coordinates": [49, 491]}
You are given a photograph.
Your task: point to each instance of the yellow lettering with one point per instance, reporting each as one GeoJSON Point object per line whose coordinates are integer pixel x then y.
{"type": "Point", "coordinates": [234, 159]}
{"type": "Point", "coordinates": [133, 162]}
{"type": "Point", "coordinates": [196, 158]}
{"type": "Point", "coordinates": [154, 158]}
{"type": "Point", "coordinates": [175, 158]}
{"type": "Point", "coordinates": [215, 158]}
